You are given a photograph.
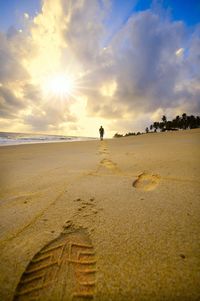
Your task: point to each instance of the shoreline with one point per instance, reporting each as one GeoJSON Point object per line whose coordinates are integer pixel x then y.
{"type": "Point", "coordinates": [8, 138]}
{"type": "Point", "coordinates": [48, 142]}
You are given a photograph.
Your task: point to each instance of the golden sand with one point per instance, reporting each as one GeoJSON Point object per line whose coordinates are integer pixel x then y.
{"type": "Point", "coordinates": [117, 219]}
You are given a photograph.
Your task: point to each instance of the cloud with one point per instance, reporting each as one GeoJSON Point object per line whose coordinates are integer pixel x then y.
{"type": "Point", "coordinates": [10, 105]}
{"type": "Point", "coordinates": [179, 52]}
{"type": "Point", "coordinates": [151, 66]}
{"type": "Point", "coordinates": [11, 69]}
{"type": "Point", "coordinates": [147, 70]}
{"type": "Point", "coordinates": [48, 117]}
{"type": "Point", "coordinates": [26, 15]}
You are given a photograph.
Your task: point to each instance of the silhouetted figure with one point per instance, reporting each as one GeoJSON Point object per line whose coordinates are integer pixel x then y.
{"type": "Point", "coordinates": [101, 132]}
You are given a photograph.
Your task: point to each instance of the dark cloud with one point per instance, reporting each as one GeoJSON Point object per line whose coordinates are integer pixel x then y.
{"type": "Point", "coordinates": [10, 105]}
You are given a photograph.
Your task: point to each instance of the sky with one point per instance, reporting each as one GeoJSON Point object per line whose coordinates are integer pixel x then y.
{"type": "Point", "coordinates": [69, 66]}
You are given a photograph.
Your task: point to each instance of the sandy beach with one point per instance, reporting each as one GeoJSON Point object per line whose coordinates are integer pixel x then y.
{"type": "Point", "coordinates": [117, 219]}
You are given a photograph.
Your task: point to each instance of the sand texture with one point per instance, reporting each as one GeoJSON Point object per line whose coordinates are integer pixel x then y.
{"type": "Point", "coordinates": [117, 219]}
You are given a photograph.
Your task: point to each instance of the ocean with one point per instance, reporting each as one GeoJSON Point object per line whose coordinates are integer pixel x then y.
{"type": "Point", "coordinates": [24, 138]}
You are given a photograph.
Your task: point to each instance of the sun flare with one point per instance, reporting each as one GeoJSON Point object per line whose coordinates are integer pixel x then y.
{"type": "Point", "coordinates": [59, 85]}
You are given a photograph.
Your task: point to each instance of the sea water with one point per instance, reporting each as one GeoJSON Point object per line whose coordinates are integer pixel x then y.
{"type": "Point", "coordinates": [7, 138]}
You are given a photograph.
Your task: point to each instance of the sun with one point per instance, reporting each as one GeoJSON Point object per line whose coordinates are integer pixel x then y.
{"type": "Point", "coordinates": [59, 85]}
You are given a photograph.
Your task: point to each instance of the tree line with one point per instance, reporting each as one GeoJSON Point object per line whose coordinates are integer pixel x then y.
{"type": "Point", "coordinates": [180, 122]}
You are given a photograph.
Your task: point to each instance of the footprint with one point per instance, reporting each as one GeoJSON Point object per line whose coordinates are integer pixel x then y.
{"type": "Point", "coordinates": [64, 269]}
{"type": "Point", "coordinates": [103, 148]}
{"type": "Point", "coordinates": [109, 165]}
{"type": "Point", "coordinates": [78, 200]}
{"type": "Point", "coordinates": [104, 152]}
{"type": "Point", "coordinates": [146, 182]}
{"type": "Point", "coordinates": [105, 165]}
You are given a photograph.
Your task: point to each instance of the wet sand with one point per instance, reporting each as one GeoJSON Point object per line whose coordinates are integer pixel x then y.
{"type": "Point", "coordinates": [117, 219]}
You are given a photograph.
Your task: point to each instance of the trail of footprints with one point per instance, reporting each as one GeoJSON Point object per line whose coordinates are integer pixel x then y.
{"type": "Point", "coordinates": [103, 150]}
{"type": "Point", "coordinates": [106, 164]}
{"type": "Point", "coordinates": [144, 181]}
{"type": "Point", "coordinates": [64, 269]}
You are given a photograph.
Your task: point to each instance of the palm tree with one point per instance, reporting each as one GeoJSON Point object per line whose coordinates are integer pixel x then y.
{"type": "Point", "coordinates": [184, 121]}
{"type": "Point", "coordinates": [164, 118]}
{"type": "Point", "coordinates": [177, 122]}
{"type": "Point", "coordinates": [156, 125]}
{"type": "Point", "coordinates": [192, 122]}
{"type": "Point", "coordinates": [198, 121]}
{"type": "Point", "coordinates": [162, 126]}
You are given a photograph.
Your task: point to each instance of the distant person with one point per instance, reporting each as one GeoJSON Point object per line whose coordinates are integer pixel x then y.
{"type": "Point", "coordinates": [101, 132]}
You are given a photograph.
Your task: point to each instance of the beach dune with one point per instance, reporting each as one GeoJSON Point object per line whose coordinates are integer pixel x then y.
{"type": "Point", "coordinates": [105, 220]}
